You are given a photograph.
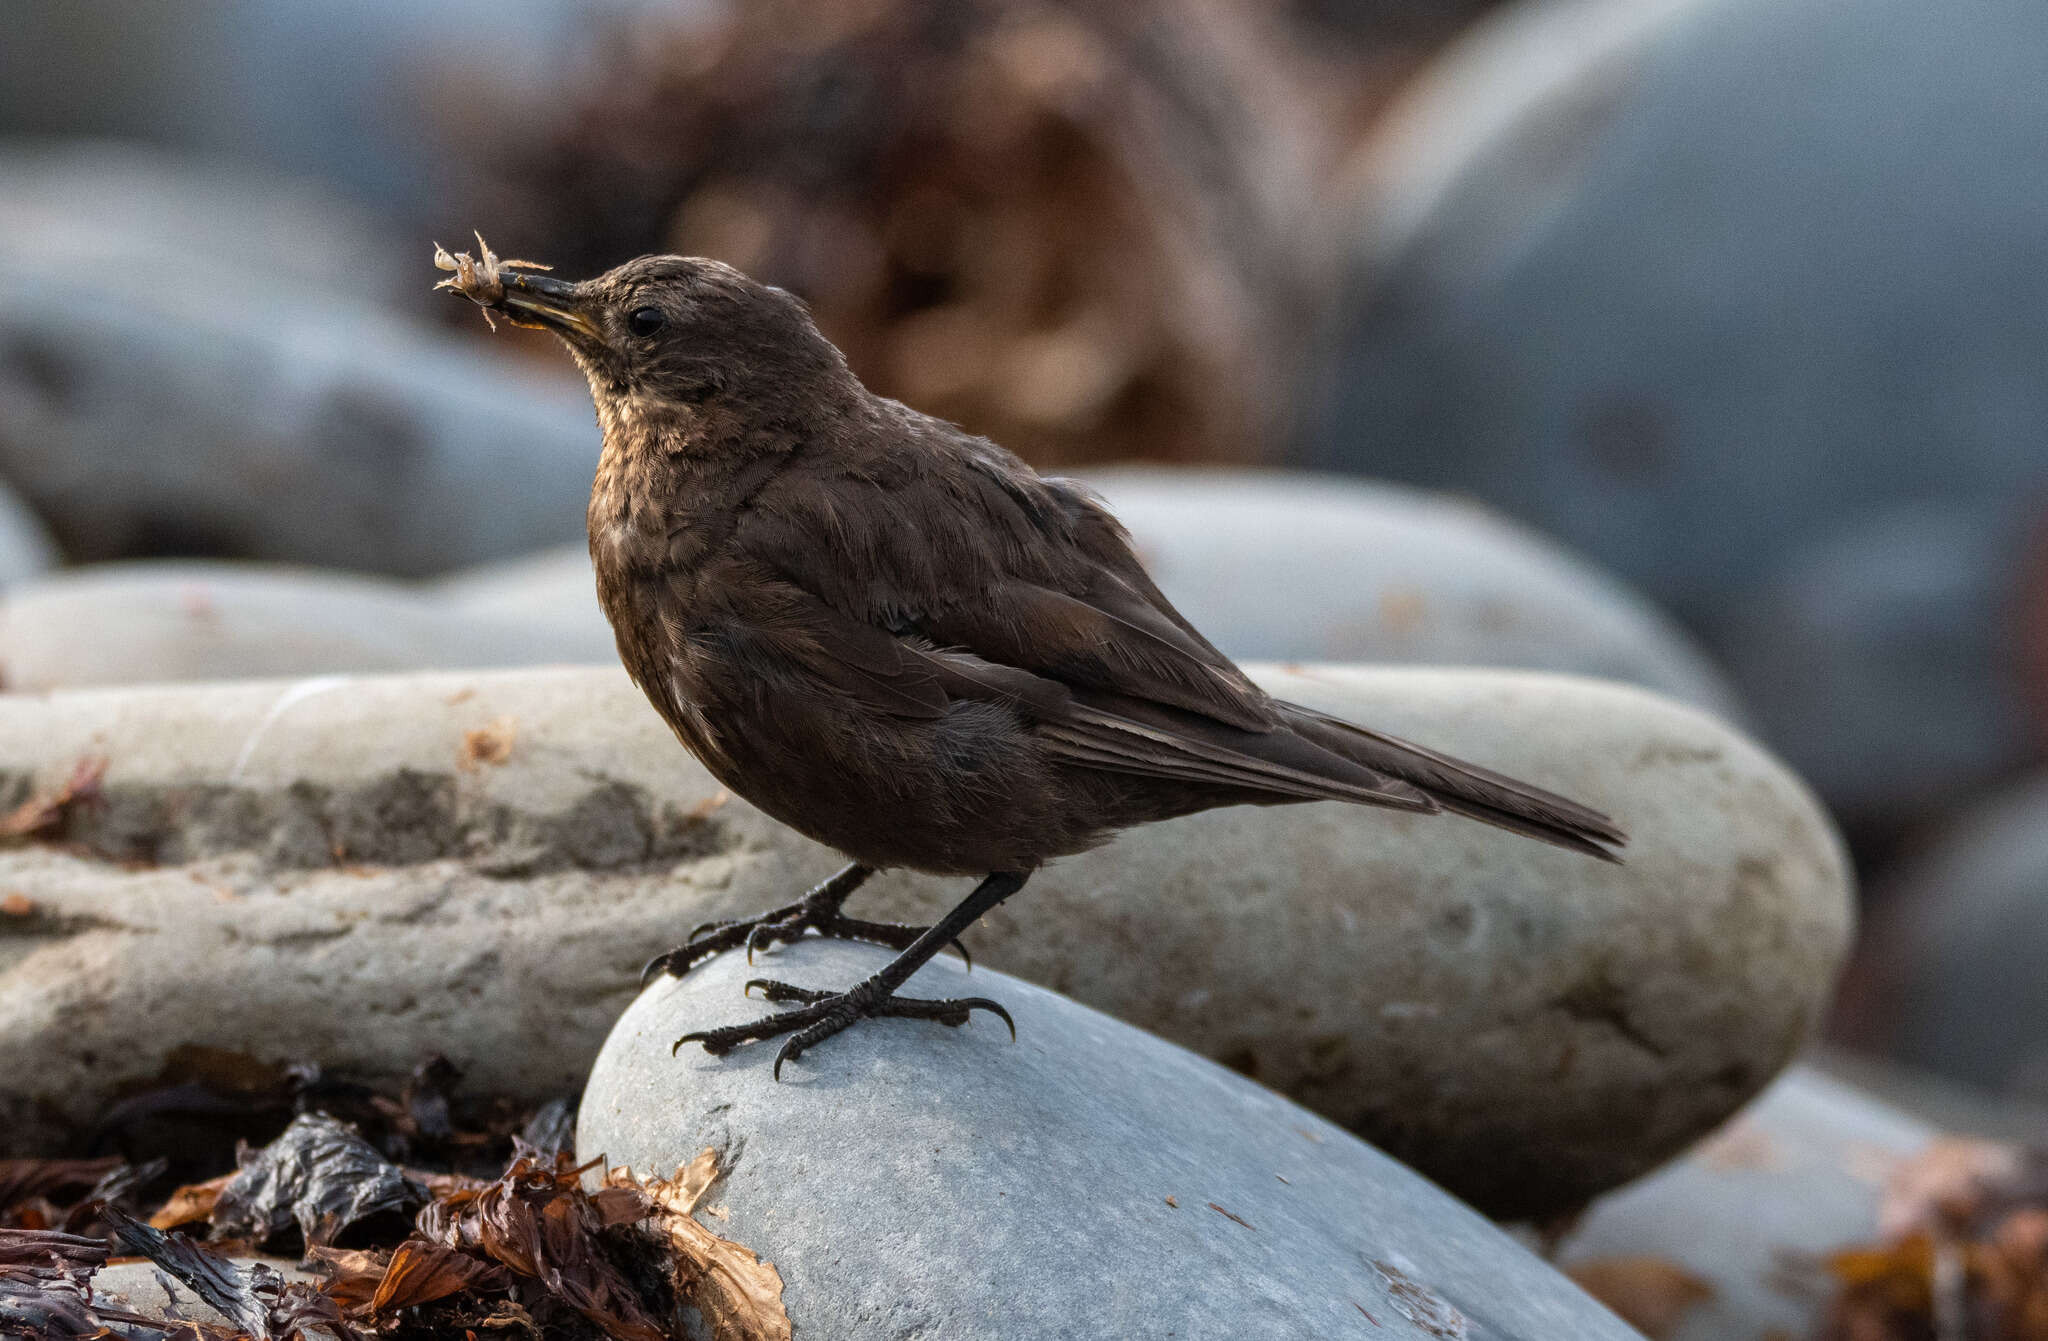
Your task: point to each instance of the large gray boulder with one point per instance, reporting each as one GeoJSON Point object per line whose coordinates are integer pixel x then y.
{"type": "Point", "coordinates": [364, 871]}
{"type": "Point", "coordinates": [908, 1180]}
{"type": "Point", "coordinates": [1950, 979]}
{"type": "Point", "coordinates": [1289, 566]}
{"type": "Point", "coordinates": [1644, 273]}
{"type": "Point", "coordinates": [1882, 660]}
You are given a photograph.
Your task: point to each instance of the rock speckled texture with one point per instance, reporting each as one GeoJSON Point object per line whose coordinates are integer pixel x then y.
{"type": "Point", "coordinates": [911, 1181]}
{"type": "Point", "coordinates": [365, 871]}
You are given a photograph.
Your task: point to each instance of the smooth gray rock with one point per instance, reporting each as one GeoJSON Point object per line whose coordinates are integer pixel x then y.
{"type": "Point", "coordinates": [208, 407]}
{"type": "Point", "coordinates": [1286, 566]}
{"type": "Point", "coordinates": [1271, 566]}
{"type": "Point", "coordinates": [1795, 1175]}
{"type": "Point", "coordinates": [365, 871]}
{"type": "Point", "coordinates": [1880, 663]}
{"type": "Point", "coordinates": [1721, 293]}
{"type": "Point", "coordinates": [552, 590]}
{"type": "Point", "coordinates": [1664, 293]}
{"type": "Point", "coordinates": [115, 206]}
{"type": "Point", "coordinates": [1950, 979]}
{"type": "Point", "coordinates": [134, 623]}
{"type": "Point", "coordinates": [908, 1180]}
{"type": "Point", "coordinates": [25, 545]}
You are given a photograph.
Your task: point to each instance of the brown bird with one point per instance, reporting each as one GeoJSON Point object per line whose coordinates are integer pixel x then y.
{"type": "Point", "coordinates": [903, 642]}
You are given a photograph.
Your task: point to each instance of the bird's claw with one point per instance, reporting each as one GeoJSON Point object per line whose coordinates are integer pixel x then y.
{"type": "Point", "coordinates": [819, 1015]}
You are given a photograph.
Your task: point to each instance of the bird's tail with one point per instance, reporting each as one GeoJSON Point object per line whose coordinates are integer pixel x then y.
{"type": "Point", "coordinates": [1465, 789]}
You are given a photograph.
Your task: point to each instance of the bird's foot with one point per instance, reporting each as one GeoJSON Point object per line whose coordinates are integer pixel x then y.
{"type": "Point", "coordinates": [817, 911]}
{"type": "Point", "coordinates": [819, 1015]}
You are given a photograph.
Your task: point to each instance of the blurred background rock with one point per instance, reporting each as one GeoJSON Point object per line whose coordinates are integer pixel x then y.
{"type": "Point", "coordinates": [1710, 337]}
{"type": "Point", "coordinates": [1748, 299]}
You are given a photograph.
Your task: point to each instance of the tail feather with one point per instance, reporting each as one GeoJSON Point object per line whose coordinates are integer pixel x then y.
{"type": "Point", "coordinates": [1465, 789]}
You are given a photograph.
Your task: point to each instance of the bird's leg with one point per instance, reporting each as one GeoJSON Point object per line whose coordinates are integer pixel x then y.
{"type": "Point", "coordinates": [818, 911]}
{"type": "Point", "coordinates": [819, 1015]}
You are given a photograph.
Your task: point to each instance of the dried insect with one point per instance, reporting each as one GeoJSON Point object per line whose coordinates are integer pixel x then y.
{"type": "Point", "coordinates": [479, 278]}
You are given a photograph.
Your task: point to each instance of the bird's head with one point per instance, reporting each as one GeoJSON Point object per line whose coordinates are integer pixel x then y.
{"type": "Point", "coordinates": [662, 332]}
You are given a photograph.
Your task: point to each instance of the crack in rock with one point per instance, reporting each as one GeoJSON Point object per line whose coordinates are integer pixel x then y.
{"type": "Point", "coordinates": [1597, 998]}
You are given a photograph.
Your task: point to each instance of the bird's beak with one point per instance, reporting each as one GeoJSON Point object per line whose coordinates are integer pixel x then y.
{"type": "Point", "coordinates": [545, 303]}
{"type": "Point", "coordinates": [498, 285]}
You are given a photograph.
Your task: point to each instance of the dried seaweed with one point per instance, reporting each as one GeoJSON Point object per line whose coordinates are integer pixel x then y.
{"type": "Point", "coordinates": [552, 1128]}
{"type": "Point", "coordinates": [421, 1272]}
{"type": "Point", "coordinates": [69, 1194]}
{"type": "Point", "coordinates": [40, 1180]}
{"type": "Point", "coordinates": [43, 1284]}
{"type": "Point", "coordinates": [191, 1203]}
{"type": "Point", "coordinates": [529, 1254]}
{"type": "Point", "coordinates": [1962, 1252]}
{"type": "Point", "coordinates": [321, 1178]}
{"type": "Point", "coordinates": [738, 1294]}
{"type": "Point", "coordinates": [256, 1299]}
{"type": "Point", "coordinates": [538, 1221]}
{"type": "Point", "coordinates": [43, 1247]}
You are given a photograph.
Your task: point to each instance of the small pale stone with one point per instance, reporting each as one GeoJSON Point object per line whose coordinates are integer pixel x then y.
{"type": "Point", "coordinates": [1795, 1175]}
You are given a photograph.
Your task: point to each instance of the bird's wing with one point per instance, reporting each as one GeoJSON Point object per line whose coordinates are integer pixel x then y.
{"type": "Point", "coordinates": [932, 592]}
{"type": "Point", "coordinates": [987, 557]}
{"type": "Point", "coordinates": [909, 679]}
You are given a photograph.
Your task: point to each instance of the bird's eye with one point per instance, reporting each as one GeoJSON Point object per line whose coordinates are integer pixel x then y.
{"type": "Point", "coordinates": [646, 320]}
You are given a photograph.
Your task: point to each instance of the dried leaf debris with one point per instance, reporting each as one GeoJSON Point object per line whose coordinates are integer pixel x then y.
{"type": "Point", "coordinates": [738, 1294]}
{"type": "Point", "coordinates": [393, 1252]}
{"type": "Point", "coordinates": [1651, 1294]}
{"type": "Point", "coordinates": [490, 743]}
{"type": "Point", "coordinates": [320, 1177]}
{"type": "Point", "coordinates": [44, 815]}
{"type": "Point", "coordinates": [1962, 1252]}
